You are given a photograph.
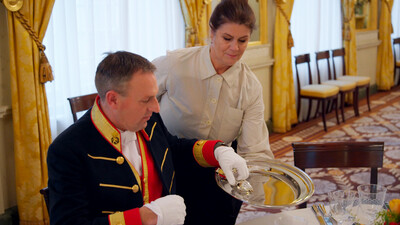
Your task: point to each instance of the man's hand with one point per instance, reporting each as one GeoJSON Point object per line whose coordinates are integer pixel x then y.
{"type": "Point", "coordinates": [229, 160]}
{"type": "Point", "coordinates": [170, 209]}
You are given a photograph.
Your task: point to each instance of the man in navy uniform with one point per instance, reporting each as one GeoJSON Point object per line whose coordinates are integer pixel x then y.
{"type": "Point", "coordinates": [118, 164]}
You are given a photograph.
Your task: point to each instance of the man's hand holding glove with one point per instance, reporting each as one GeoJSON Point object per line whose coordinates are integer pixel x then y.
{"type": "Point", "coordinates": [170, 209]}
{"type": "Point", "coordinates": [229, 160]}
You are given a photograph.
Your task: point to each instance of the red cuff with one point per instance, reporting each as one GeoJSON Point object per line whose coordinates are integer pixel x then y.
{"type": "Point", "coordinates": [132, 217]}
{"type": "Point", "coordinates": [129, 217]}
{"type": "Point", "coordinates": [203, 152]}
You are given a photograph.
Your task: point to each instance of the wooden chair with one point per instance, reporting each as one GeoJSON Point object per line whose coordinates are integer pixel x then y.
{"type": "Point", "coordinates": [344, 86]}
{"type": "Point", "coordinates": [45, 193]}
{"type": "Point", "coordinates": [362, 81]}
{"type": "Point", "coordinates": [81, 103]}
{"type": "Point", "coordinates": [396, 42]}
{"type": "Point", "coordinates": [339, 154]}
{"type": "Point", "coordinates": [311, 91]}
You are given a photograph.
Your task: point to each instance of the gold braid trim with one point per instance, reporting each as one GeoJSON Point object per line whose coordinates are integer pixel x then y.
{"type": "Point", "coordinates": [45, 72]}
{"type": "Point", "coordinates": [279, 3]}
{"type": "Point", "coordinates": [117, 218]}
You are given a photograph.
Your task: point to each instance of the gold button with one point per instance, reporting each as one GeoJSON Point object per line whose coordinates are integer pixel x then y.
{"type": "Point", "coordinates": [144, 180]}
{"type": "Point", "coordinates": [146, 199]}
{"type": "Point", "coordinates": [120, 160]}
{"type": "Point", "coordinates": [135, 188]}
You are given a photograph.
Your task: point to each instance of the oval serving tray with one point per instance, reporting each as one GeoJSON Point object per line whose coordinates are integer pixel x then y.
{"type": "Point", "coordinates": [275, 185]}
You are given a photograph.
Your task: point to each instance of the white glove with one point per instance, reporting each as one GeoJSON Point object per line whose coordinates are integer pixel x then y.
{"type": "Point", "coordinates": [228, 160]}
{"type": "Point", "coordinates": [170, 210]}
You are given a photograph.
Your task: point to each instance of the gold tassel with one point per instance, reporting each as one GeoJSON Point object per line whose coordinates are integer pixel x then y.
{"type": "Point", "coordinates": [45, 71]}
{"type": "Point", "coordinates": [346, 32]}
{"type": "Point", "coordinates": [290, 40]}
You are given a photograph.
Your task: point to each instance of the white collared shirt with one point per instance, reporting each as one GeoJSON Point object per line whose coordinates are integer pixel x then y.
{"type": "Point", "coordinates": [130, 149]}
{"type": "Point", "coordinates": [196, 102]}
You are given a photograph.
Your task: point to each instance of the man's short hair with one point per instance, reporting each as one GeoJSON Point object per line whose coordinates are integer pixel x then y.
{"type": "Point", "coordinates": [116, 69]}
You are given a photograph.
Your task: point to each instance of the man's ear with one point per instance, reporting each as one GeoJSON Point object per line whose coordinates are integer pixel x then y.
{"type": "Point", "coordinates": [112, 99]}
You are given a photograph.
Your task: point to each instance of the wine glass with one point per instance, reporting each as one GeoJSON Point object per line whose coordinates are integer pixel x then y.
{"type": "Point", "coordinates": [341, 204]}
{"type": "Point", "coordinates": [372, 197]}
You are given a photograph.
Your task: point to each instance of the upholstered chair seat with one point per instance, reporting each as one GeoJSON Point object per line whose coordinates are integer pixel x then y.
{"type": "Point", "coordinates": [360, 80]}
{"type": "Point", "coordinates": [343, 85]}
{"type": "Point", "coordinates": [320, 91]}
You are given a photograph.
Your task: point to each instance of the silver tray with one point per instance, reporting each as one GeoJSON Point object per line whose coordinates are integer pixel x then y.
{"type": "Point", "coordinates": [275, 185]}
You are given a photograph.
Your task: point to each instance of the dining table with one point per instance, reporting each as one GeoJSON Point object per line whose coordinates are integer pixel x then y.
{"type": "Point", "coordinates": [303, 216]}
{"type": "Point", "coordinates": [273, 218]}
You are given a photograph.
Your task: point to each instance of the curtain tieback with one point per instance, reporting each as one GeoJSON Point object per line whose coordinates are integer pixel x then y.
{"type": "Point", "coordinates": [290, 41]}
{"type": "Point", "coordinates": [390, 12]}
{"type": "Point", "coordinates": [45, 71]}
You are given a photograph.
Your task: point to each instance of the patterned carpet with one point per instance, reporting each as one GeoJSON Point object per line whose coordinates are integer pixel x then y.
{"type": "Point", "coordinates": [382, 123]}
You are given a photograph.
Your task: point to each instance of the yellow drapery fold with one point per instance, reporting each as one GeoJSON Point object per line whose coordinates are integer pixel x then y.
{"type": "Point", "coordinates": [349, 37]}
{"type": "Point", "coordinates": [196, 14]}
{"type": "Point", "coordinates": [385, 61]}
{"type": "Point", "coordinates": [32, 134]}
{"type": "Point", "coordinates": [283, 92]}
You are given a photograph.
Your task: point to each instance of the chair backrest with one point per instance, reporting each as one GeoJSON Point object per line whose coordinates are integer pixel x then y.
{"type": "Point", "coordinates": [45, 193]}
{"type": "Point", "coordinates": [339, 154]}
{"type": "Point", "coordinates": [305, 58]}
{"type": "Point", "coordinates": [321, 56]}
{"type": "Point", "coordinates": [340, 52]}
{"type": "Point", "coordinates": [81, 103]}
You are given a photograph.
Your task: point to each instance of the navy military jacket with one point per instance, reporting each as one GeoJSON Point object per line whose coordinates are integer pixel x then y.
{"type": "Point", "coordinates": [89, 177]}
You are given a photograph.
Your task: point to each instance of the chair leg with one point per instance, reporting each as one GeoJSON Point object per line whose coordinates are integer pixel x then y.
{"type": "Point", "coordinates": [342, 95]}
{"type": "Point", "coordinates": [309, 109]}
{"type": "Point", "coordinates": [330, 107]}
{"type": "Point", "coordinates": [398, 81]}
{"type": "Point", "coordinates": [317, 111]}
{"type": "Point", "coordinates": [355, 102]}
{"type": "Point", "coordinates": [298, 107]}
{"type": "Point", "coordinates": [356, 96]}
{"type": "Point", "coordinates": [323, 114]}
{"type": "Point", "coordinates": [336, 111]}
{"type": "Point", "coordinates": [367, 92]}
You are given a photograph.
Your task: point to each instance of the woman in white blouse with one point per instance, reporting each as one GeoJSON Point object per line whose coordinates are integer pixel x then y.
{"type": "Point", "coordinates": [207, 92]}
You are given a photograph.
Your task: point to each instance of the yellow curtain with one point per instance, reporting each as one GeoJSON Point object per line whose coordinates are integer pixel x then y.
{"type": "Point", "coordinates": [385, 62]}
{"type": "Point", "coordinates": [196, 14]}
{"type": "Point", "coordinates": [349, 37]}
{"type": "Point", "coordinates": [29, 108]}
{"type": "Point", "coordinates": [283, 92]}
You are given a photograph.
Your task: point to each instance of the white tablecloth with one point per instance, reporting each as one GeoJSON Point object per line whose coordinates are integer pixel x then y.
{"type": "Point", "coordinates": [303, 214]}
{"type": "Point", "coordinates": [307, 214]}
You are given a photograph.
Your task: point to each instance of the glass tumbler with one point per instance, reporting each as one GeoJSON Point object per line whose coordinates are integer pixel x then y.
{"type": "Point", "coordinates": [341, 204]}
{"type": "Point", "coordinates": [371, 197]}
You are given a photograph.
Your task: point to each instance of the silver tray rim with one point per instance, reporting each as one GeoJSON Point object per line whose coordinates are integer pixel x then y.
{"type": "Point", "coordinates": [272, 162]}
